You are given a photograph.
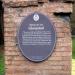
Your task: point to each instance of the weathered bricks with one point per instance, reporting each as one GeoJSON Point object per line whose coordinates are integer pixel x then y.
{"type": "Point", "coordinates": [59, 63]}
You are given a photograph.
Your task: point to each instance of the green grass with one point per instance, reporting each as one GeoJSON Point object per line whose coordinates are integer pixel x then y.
{"type": "Point", "coordinates": [1, 62]}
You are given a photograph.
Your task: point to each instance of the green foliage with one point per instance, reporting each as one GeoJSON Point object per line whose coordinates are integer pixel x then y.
{"type": "Point", "coordinates": [73, 56]}
{"type": "Point", "coordinates": [73, 48]}
{"type": "Point", "coordinates": [1, 63]}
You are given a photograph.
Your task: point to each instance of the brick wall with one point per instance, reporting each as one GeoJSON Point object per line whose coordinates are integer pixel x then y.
{"type": "Point", "coordinates": [15, 63]}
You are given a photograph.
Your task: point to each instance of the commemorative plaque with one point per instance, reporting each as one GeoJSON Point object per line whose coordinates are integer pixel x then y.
{"type": "Point", "coordinates": [36, 37]}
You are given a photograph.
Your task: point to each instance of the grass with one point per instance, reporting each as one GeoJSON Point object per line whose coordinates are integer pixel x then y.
{"type": "Point", "coordinates": [1, 61]}
{"type": "Point", "coordinates": [73, 56]}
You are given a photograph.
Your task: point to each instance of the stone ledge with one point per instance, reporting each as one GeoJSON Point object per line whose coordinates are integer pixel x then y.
{"type": "Point", "coordinates": [54, 7]}
{"type": "Point", "coordinates": [69, 1]}
{"type": "Point", "coordinates": [25, 3]}
{"type": "Point", "coordinates": [20, 3]}
{"type": "Point", "coordinates": [59, 7]}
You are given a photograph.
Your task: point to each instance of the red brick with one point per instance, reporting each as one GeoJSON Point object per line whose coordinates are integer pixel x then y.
{"type": "Point", "coordinates": [59, 62]}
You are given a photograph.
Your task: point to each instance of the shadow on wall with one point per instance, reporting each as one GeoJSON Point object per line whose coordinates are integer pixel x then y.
{"type": "Point", "coordinates": [1, 25]}
{"type": "Point", "coordinates": [2, 70]}
{"type": "Point", "coordinates": [73, 31]}
{"type": "Point", "coordinates": [73, 20]}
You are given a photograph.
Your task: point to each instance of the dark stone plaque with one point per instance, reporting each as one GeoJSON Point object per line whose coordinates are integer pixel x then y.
{"type": "Point", "coordinates": [36, 37]}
